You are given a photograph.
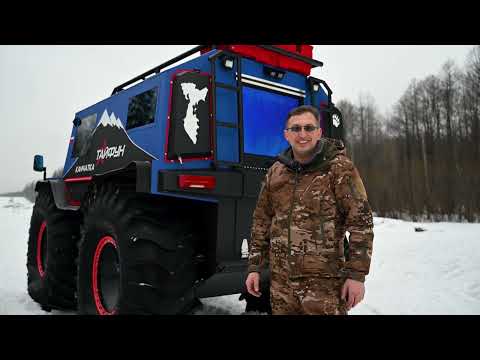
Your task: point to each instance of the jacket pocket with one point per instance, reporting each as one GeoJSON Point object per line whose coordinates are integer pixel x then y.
{"type": "Point", "coordinates": [318, 265]}
{"type": "Point", "coordinates": [321, 257]}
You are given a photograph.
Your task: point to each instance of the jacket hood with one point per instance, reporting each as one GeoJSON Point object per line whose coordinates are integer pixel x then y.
{"type": "Point", "coordinates": [325, 150]}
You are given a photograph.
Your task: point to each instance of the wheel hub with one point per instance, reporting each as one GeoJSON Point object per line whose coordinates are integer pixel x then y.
{"type": "Point", "coordinates": [106, 276]}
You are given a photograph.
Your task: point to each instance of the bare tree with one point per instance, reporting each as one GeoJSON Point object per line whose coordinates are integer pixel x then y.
{"type": "Point", "coordinates": [422, 158]}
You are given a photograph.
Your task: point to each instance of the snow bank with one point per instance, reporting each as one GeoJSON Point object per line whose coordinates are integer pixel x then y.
{"type": "Point", "coordinates": [436, 271]}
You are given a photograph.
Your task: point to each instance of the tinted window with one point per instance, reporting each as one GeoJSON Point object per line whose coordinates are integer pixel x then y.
{"type": "Point", "coordinates": [141, 109]}
{"type": "Point", "coordinates": [264, 115]}
{"type": "Point", "coordinates": [83, 136]}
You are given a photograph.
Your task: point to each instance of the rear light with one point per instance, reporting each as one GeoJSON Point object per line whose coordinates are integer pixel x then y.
{"type": "Point", "coordinates": [196, 182]}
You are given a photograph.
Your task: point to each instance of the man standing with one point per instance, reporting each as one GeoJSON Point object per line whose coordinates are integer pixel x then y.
{"type": "Point", "coordinates": [310, 197]}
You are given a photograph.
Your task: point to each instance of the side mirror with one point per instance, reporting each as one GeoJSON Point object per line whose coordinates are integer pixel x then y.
{"type": "Point", "coordinates": [38, 163]}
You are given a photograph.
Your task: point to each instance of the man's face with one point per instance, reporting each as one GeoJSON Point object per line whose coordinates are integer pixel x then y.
{"type": "Point", "coordinates": [303, 142]}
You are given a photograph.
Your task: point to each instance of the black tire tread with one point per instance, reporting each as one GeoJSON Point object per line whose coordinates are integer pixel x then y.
{"type": "Point", "coordinates": [156, 250]}
{"type": "Point", "coordinates": [57, 289]}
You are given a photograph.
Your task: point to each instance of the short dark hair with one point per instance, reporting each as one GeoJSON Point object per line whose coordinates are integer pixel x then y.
{"type": "Point", "coordinates": [302, 110]}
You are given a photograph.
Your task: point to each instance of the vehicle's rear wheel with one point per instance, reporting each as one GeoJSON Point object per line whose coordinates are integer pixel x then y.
{"type": "Point", "coordinates": [133, 257]}
{"type": "Point", "coordinates": [52, 250]}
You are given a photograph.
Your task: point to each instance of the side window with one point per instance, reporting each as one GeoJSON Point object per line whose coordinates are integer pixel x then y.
{"type": "Point", "coordinates": [84, 134]}
{"type": "Point", "coordinates": [141, 109]}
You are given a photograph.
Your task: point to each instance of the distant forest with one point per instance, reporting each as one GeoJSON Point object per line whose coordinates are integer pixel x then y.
{"type": "Point", "coordinates": [422, 161]}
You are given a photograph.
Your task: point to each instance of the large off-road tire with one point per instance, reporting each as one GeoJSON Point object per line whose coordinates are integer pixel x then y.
{"type": "Point", "coordinates": [52, 250]}
{"type": "Point", "coordinates": [133, 257]}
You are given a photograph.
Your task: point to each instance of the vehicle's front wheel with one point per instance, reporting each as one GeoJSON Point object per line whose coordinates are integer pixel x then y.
{"type": "Point", "coordinates": [133, 258]}
{"type": "Point", "coordinates": [52, 250]}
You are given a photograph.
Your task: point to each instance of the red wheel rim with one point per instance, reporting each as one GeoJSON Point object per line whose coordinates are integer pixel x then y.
{"type": "Point", "coordinates": [96, 259]}
{"type": "Point", "coordinates": [40, 265]}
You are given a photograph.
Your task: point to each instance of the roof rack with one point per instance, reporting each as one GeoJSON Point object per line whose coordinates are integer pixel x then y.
{"type": "Point", "coordinates": [158, 68]}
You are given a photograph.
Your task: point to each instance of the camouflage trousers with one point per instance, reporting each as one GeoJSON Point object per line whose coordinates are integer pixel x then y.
{"type": "Point", "coordinates": [306, 296]}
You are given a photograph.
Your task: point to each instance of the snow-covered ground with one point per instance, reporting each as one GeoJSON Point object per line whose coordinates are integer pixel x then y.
{"type": "Point", "coordinates": [432, 272]}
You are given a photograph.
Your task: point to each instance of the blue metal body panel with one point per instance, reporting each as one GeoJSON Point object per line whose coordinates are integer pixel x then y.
{"type": "Point", "coordinates": [226, 106]}
{"type": "Point", "coordinates": [224, 75]}
{"type": "Point", "coordinates": [152, 137]}
{"type": "Point", "coordinates": [262, 123]}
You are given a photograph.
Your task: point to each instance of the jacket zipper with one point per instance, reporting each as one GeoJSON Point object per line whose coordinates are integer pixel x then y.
{"type": "Point", "coordinates": [321, 233]}
{"type": "Point", "coordinates": [290, 214]}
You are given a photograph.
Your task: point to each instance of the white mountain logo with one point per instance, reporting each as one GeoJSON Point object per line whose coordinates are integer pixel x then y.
{"type": "Point", "coordinates": [110, 120]}
{"type": "Point", "coordinates": [193, 96]}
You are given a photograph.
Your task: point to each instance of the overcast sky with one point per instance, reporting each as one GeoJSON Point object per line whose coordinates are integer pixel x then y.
{"type": "Point", "coordinates": [42, 87]}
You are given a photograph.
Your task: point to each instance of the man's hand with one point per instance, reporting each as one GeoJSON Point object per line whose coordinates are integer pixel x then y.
{"type": "Point", "coordinates": [353, 292]}
{"type": "Point", "coordinates": [253, 284]}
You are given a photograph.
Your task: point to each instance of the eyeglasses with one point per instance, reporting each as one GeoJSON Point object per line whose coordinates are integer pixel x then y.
{"type": "Point", "coordinates": [298, 128]}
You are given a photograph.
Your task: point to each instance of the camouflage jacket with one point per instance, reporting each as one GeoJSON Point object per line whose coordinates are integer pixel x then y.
{"type": "Point", "coordinates": [303, 212]}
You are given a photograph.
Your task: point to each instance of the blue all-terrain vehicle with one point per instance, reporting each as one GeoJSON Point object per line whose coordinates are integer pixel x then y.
{"type": "Point", "coordinates": [154, 208]}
